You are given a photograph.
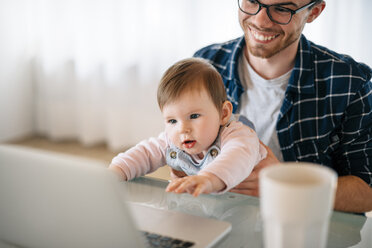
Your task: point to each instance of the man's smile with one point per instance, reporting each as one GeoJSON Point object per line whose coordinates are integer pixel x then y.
{"type": "Point", "coordinates": [262, 37]}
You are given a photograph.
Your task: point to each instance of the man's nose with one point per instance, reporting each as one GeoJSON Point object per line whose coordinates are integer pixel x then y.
{"type": "Point", "coordinates": [262, 18]}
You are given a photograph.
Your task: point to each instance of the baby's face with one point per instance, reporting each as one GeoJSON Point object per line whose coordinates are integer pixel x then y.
{"type": "Point", "coordinates": [192, 122]}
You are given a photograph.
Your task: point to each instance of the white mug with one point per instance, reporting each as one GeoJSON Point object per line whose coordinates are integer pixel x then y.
{"type": "Point", "coordinates": [296, 202]}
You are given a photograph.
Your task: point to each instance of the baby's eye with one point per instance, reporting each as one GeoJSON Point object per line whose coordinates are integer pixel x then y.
{"type": "Point", "coordinates": [194, 116]}
{"type": "Point", "coordinates": [172, 121]}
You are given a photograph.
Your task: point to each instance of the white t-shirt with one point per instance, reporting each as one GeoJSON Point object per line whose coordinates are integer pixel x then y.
{"type": "Point", "coordinates": [261, 102]}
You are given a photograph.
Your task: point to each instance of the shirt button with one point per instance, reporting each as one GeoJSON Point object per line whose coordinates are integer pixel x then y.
{"type": "Point", "coordinates": [173, 154]}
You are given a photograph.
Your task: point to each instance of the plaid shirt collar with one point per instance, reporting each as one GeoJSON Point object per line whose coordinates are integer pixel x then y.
{"type": "Point", "coordinates": [230, 72]}
{"type": "Point", "coordinates": [303, 70]}
{"type": "Point", "coordinates": [302, 78]}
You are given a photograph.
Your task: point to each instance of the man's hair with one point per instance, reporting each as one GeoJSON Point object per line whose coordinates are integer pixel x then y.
{"type": "Point", "coordinates": [191, 74]}
{"type": "Point", "coordinates": [317, 2]}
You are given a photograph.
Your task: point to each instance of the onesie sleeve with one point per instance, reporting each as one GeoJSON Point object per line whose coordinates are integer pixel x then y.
{"type": "Point", "coordinates": [240, 152]}
{"type": "Point", "coordinates": [146, 157]}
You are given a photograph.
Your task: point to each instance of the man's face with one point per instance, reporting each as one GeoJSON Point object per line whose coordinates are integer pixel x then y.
{"type": "Point", "coordinates": [265, 38]}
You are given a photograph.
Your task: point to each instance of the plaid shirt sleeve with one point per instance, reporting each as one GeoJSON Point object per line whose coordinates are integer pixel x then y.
{"type": "Point", "coordinates": [354, 156]}
{"type": "Point", "coordinates": [326, 115]}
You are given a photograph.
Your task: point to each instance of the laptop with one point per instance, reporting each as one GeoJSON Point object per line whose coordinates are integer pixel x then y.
{"type": "Point", "coordinates": [52, 200]}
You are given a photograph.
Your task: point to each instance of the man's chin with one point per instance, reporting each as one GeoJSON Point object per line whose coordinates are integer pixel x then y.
{"type": "Point", "coordinates": [261, 54]}
{"type": "Point", "coordinates": [265, 53]}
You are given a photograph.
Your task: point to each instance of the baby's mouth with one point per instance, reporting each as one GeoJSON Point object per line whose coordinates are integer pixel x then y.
{"type": "Point", "coordinates": [189, 143]}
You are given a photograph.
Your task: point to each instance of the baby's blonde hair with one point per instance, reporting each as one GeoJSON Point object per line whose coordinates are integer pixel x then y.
{"type": "Point", "coordinates": [191, 74]}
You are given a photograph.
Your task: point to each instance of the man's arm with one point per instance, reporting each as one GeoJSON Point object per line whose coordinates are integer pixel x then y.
{"type": "Point", "coordinates": [353, 158]}
{"type": "Point", "coordinates": [353, 195]}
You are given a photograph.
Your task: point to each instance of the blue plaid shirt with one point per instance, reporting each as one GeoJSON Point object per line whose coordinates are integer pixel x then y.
{"type": "Point", "coordinates": [326, 113]}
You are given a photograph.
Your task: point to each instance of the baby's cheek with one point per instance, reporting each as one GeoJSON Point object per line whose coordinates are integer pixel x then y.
{"type": "Point", "coordinates": [173, 137]}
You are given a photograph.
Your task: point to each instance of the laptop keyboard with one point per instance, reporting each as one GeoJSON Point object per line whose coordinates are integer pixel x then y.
{"type": "Point", "coordinates": [157, 240]}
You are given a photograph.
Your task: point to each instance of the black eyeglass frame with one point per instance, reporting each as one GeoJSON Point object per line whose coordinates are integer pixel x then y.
{"type": "Point", "coordinates": [267, 6]}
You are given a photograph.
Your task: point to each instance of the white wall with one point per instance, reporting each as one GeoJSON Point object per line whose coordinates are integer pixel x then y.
{"type": "Point", "coordinates": [345, 27]}
{"type": "Point", "coordinates": [97, 42]}
{"type": "Point", "coordinates": [15, 95]}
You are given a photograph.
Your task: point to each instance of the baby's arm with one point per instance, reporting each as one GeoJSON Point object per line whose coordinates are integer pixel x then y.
{"type": "Point", "coordinates": [119, 172]}
{"type": "Point", "coordinates": [240, 152]}
{"type": "Point", "coordinates": [203, 183]}
{"type": "Point", "coordinates": [145, 157]}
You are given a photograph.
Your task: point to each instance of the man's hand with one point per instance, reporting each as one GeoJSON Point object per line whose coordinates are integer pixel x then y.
{"type": "Point", "coordinates": [196, 185]}
{"type": "Point", "coordinates": [250, 186]}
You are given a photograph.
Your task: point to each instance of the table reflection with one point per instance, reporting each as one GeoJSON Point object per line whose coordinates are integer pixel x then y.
{"type": "Point", "coordinates": [345, 230]}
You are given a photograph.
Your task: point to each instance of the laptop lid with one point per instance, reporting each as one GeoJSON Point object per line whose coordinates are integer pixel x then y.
{"type": "Point", "coordinates": [54, 200]}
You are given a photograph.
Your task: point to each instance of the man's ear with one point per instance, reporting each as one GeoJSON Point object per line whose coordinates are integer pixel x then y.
{"type": "Point", "coordinates": [316, 11]}
{"type": "Point", "coordinates": [226, 112]}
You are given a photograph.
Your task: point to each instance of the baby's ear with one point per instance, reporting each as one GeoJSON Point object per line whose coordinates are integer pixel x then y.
{"type": "Point", "coordinates": [226, 112]}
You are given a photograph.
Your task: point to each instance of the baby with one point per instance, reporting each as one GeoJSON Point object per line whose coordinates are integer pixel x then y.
{"type": "Point", "coordinates": [201, 137]}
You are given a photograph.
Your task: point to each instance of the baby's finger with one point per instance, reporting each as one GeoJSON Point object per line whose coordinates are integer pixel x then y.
{"type": "Point", "coordinates": [186, 186]}
{"type": "Point", "coordinates": [174, 184]}
{"type": "Point", "coordinates": [199, 190]}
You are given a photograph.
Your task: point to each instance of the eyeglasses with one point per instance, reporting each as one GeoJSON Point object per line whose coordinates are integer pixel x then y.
{"type": "Point", "coordinates": [277, 13]}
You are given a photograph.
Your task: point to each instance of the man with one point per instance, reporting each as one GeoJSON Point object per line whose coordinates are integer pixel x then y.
{"type": "Point", "coordinates": [307, 103]}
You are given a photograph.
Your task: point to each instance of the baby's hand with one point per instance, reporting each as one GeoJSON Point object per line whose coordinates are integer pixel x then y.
{"type": "Point", "coordinates": [196, 185]}
{"type": "Point", "coordinates": [118, 172]}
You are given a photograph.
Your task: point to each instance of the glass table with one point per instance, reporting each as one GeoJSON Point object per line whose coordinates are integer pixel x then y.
{"type": "Point", "coordinates": [345, 230]}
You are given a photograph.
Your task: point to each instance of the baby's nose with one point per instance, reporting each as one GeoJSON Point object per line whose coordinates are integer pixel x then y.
{"type": "Point", "coordinates": [185, 128]}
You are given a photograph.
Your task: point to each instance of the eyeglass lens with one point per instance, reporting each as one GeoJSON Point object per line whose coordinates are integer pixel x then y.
{"type": "Point", "coordinates": [276, 13]}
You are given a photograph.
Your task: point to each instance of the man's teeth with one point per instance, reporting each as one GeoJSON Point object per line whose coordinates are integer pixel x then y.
{"type": "Point", "coordinates": [262, 38]}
